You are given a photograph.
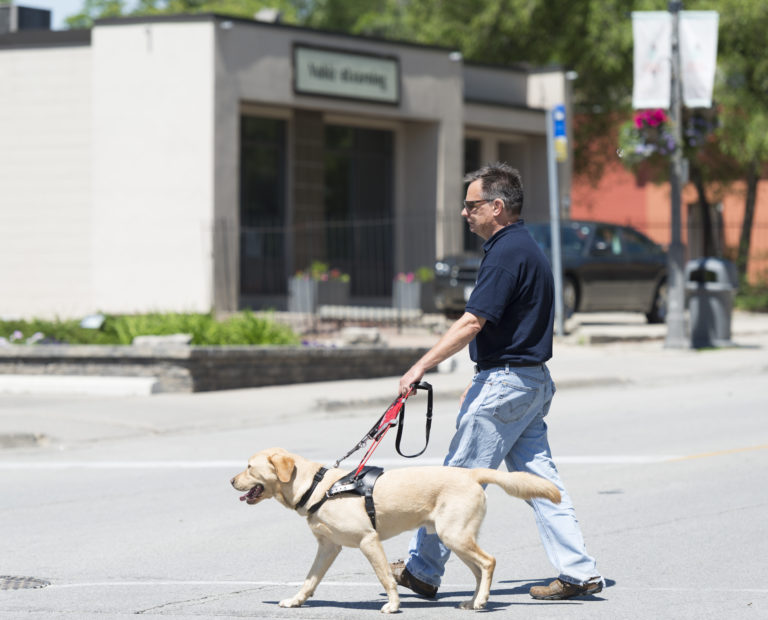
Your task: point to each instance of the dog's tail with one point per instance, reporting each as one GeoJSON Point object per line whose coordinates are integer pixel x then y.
{"type": "Point", "coordinates": [518, 483]}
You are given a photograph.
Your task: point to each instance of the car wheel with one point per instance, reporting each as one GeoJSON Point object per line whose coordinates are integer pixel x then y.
{"type": "Point", "coordinates": [658, 313]}
{"type": "Point", "coordinates": [570, 297]}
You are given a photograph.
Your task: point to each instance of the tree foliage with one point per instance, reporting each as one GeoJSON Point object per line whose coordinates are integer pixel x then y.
{"type": "Point", "coordinates": [291, 10]}
{"type": "Point", "coordinates": [742, 94]}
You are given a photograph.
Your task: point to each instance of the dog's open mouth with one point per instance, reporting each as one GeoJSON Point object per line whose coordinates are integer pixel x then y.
{"type": "Point", "coordinates": [252, 496]}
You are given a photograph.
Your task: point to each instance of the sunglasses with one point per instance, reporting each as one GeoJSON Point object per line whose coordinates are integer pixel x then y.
{"type": "Point", "coordinates": [471, 205]}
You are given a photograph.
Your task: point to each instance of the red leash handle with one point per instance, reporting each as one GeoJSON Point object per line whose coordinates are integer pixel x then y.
{"type": "Point", "coordinates": [381, 427]}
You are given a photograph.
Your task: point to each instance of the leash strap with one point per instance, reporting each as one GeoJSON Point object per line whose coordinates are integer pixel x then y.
{"type": "Point", "coordinates": [424, 386]}
{"type": "Point", "coordinates": [305, 498]}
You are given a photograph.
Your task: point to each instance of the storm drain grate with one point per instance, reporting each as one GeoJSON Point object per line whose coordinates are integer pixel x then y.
{"type": "Point", "coordinates": [9, 582]}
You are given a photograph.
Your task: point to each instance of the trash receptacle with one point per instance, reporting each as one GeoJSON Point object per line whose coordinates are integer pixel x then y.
{"type": "Point", "coordinates": [710, 286]}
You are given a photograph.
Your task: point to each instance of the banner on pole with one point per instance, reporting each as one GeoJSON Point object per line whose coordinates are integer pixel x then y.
{"type": "Point", "coordinates": [652, 32]}
{"type": "Point", "coordinates": [698, 56]}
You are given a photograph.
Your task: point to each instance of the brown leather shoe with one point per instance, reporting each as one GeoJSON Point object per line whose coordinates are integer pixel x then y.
{"type": "Point", "coordinates": [405, 579]}
{"type": "Point", "coordinates": [559, 590]}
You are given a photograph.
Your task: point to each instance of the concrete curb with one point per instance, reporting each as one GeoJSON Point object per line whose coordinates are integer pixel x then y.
{"type": "Point", "coordinates": [70, 384]}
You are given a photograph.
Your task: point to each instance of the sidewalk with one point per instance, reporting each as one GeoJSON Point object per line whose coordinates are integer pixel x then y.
{"type": "Point", "coordinates": [639, 361]}
{"type": "Point", "coordinates": [633, 353]}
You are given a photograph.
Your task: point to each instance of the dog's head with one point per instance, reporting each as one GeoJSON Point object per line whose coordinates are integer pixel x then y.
{"type": "Point", "coordinates": [265, 472]}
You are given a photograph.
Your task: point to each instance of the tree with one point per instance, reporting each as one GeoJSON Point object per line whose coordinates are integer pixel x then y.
{"type": "Point", "coordinates": [742, 92]}
{"type": "Point", "coordinates": [99, 9]}
{"type": "Point", "coordinates": [95, 9]}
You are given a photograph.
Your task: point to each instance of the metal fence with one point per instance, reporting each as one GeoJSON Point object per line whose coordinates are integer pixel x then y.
{"type": "Point", "coordinates": [361, 252]}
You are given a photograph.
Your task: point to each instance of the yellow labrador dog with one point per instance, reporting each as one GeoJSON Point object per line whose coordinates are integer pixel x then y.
{"type": "Point", "coordinates": [447, 500]}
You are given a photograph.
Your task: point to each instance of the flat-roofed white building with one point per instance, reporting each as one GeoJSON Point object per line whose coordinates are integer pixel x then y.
{"type": "Point", "coordinates": [196, 162]}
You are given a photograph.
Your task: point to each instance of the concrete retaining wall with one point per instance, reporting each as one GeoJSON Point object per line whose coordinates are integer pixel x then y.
{"type": "Point", "coordinates": [202, 369]}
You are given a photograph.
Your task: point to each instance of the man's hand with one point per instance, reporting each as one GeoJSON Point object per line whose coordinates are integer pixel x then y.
{"type": "Point", "coordinates": [414, 375]}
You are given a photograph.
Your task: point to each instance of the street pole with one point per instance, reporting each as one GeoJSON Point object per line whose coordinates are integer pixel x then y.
{"type": "Point", "coordinates": [676, 337]}
{"type": "Point", "coordinates": [554, 223]}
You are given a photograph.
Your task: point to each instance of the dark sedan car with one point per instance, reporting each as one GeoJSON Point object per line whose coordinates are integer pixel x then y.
{"type": "Point", "coordinates": [606, 268]}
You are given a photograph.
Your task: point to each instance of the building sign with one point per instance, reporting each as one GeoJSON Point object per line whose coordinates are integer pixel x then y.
{"type": "Point", "coordinates": [332, 73]}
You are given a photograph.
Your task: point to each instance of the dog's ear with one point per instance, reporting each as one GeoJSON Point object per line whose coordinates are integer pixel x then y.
{"type": "Point", "coordinates": [284, 466]}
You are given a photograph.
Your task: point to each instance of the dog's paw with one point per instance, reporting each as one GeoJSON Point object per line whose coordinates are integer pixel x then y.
{"type": "Point", "coordinates": [471, 605]}
{"type": "Point", "coordinates": [390, 608]}
{"type": "Point", "coordinates": [291, 602]}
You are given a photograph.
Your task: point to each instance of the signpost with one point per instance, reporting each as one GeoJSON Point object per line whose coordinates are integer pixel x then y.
{"type": "Point", "coordinates": [555, 131]}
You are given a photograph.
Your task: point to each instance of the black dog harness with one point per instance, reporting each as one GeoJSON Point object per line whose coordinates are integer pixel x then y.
{"type": "Point", "coordinates": [362, 484]}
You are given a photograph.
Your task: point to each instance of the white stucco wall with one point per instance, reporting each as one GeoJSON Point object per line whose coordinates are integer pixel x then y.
{"type": "Point", "coordinates": [45, 192]}
{"type": "Point", "coordinates": [153, 166]}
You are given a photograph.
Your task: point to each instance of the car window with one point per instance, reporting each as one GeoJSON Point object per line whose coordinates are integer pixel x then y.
{"type": "Point", "coordinates": [637, 244]}
{"type": "Point", "coordinates": [606, 241]}
{"type": "Point", "coordinates": [573, 237]}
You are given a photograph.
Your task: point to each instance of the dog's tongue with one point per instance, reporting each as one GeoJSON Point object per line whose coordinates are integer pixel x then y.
{"type": "Point", "coordinates": [254, 492]}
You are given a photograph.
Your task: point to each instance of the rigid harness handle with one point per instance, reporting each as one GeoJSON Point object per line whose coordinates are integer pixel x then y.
{"type": "Point", "coordinates": [416, 386]}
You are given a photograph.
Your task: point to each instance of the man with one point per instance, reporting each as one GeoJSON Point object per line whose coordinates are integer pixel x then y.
{"type": "Point", "coordinates": [508, 323]}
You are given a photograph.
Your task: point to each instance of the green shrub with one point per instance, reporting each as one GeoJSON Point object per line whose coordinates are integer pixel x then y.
{"type": "Point", "coordinates": [244, 328]}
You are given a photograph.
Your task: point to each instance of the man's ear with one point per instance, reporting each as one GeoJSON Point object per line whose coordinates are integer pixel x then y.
{"type": "Point", "coordinates": [284, 466]}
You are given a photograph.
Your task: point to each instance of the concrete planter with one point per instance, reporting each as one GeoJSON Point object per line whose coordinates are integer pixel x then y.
{"type": "Point", "coordinates": [302, 295]}
{"type": "Point", "coordinates": [332, 293]}
{"type": "Point", "coordinates": [428, 297]}
{"type": "Point", "coordinates": [406, 295]}
{"type": "Point", "coordinates": [306, 294]}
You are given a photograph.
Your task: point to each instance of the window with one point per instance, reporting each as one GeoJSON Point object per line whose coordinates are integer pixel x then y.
{"type": "Point", "coordinates": [262, 205]}
{"type": "Point", "coordinates": [607, 241]}
{"type": "Point", "coordinates": [472, 158]}
{"type": "Point", "coordinates": [359, 208]}
{"type": "Point", "coordinates": [637, 244]}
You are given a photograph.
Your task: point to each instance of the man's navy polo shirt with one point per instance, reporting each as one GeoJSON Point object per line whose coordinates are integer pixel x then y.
{"type": "Point", "coordinates": [515, 294]}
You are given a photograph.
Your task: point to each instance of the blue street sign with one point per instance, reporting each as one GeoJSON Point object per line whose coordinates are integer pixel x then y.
{"type": "Point", "coordinates": [558, 118]}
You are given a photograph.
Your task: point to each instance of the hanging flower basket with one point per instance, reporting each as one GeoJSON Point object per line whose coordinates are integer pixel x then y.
{"type": "Point", "coordinates": [647, 141]}
{"type": "Point", "coordinates": [647, 136]}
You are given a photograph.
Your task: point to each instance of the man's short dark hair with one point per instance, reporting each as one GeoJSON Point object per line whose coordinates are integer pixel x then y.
{"type": "Point", "coordinates": [500, 180]}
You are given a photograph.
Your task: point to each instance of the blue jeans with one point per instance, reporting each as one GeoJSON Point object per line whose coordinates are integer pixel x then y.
{"type": "Point", "coordinates": [502, 419]}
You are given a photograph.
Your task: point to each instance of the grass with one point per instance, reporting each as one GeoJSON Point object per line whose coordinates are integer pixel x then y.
{"type": "Point", "coordinates": [244, 328]}
{"type": "Point", "coordinates": [752, 297]}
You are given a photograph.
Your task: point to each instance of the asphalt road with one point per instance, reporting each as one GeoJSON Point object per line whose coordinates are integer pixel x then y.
{"type": "Point", "coordinates": [124, 505]}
